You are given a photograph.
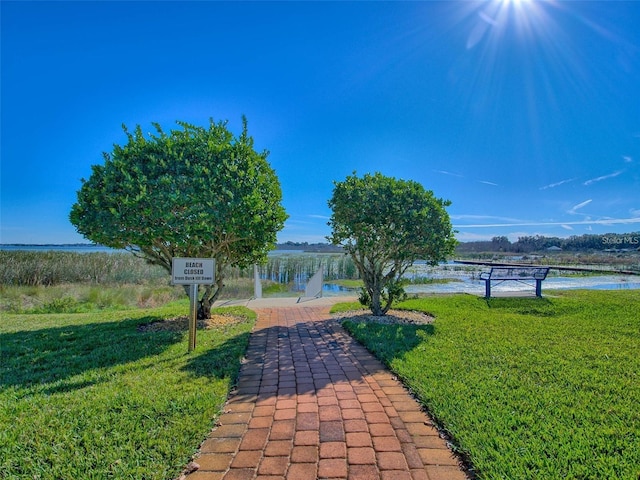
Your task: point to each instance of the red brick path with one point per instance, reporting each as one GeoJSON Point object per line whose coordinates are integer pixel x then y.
{"type": "Point", "coordinates": [311, 403]}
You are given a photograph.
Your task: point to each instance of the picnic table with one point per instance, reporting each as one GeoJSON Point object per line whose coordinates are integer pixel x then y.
{"type": "Point", "coordinates": [524, 275]}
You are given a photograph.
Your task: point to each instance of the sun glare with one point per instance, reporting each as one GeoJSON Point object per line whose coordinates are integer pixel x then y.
{"type": "Point", "coordinates": [529, 20]}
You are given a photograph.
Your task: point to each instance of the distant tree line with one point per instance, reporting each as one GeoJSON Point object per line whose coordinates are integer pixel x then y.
{"type": "Point", "coordinates": [539, 243]}
{"type": "Point", "coordinates": [310, 247]}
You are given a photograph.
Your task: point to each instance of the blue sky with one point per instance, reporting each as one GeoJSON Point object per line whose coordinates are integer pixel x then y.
{"type": "Point", "coordinates": [525, 114]}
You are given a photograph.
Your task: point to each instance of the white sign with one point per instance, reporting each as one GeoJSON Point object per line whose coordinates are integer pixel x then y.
{"type": "Point", "coordinates": [192, 271]}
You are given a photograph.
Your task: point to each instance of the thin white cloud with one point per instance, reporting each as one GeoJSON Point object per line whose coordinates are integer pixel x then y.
{"type": "Point", "coordinates": [627, 159]}
{"type": "Point", "coordinates": [566, 227]}
{"type": "Point", "coordinates": [452, 174]}
{"type": "Point", "coordinates": [604, 177]}
{"type": "Point", "coordinates": [444, 172]}
{"type": "Point", "coordinates": [606, 221]}
{"type": "Point", "coordinates": [309, 219]}
{"type": "Point", "coordinates": [573, 209]}
{"type": "Point", "coordinates": [557, 184]}
{"type": "Point", "coordinates": [485, 217]}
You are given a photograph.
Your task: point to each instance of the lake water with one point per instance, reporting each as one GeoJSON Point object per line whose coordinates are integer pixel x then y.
{"type": "Point", "coordinates": [60, 248]}
{"type": "Point", "coordinates": [477, 287]}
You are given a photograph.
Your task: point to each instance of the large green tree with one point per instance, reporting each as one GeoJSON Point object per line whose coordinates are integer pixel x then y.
{"type": "Point", "coordinates": [192, 192]}
{"type": "Point", "coordinates": [386, 224]}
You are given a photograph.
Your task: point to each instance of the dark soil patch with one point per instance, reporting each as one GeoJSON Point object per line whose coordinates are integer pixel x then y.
{"type": "Point", "coordinates": [392, 316]}
{"type": "Point", "coordinates": [179, 324]}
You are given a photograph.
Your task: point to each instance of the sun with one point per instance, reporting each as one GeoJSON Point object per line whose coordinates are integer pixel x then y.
{"type": "Point", "coordinates": [528, 18]}
{"type": "Point", "coordinates": [520, 8]}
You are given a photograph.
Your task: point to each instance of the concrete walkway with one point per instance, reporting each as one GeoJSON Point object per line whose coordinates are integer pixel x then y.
{"type": "Point", "coordinates": [311, 403]}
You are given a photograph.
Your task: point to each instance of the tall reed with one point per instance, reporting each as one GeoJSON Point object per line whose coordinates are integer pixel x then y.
{"type": "Point", "coordinates": [297, 269]}
{"type": "Point", "coordinates": [54, 268]}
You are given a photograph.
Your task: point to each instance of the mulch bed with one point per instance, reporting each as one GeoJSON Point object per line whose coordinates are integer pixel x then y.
{"type": "Point", "coordinates": [392, 317]}
{"type": "Point", "coordinates": [180, 324]}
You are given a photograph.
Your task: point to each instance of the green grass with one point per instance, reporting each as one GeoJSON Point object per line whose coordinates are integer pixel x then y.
{"type": "Point", "coordinates": [431, 281]}
{"type": "Point", "coordinates": [270, 288]}
{"type": "Point", "coordinates": [92, 396]}
{"type": "Point", "coordinates": [527, 388]}
{"type": "Point", "coordinates": [348, 307]}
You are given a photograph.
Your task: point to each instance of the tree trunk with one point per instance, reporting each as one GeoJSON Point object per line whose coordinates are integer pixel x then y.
{"type": "Point", "coordinates": [211, 294]}
{"type": "Point", "coordinates": [376, 307]}
{"type": "Point", "coordinates": [204, 308]}
{"type": "Point", "coordinates": [386, 307]}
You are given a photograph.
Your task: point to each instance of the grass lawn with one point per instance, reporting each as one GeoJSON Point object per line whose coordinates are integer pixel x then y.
{"type": "Point", "coordinates": [527, 388]}
{"type": "Point", "coordinates": [95, 395]}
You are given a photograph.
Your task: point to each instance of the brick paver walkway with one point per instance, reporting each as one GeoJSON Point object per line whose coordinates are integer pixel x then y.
{"type": "Point", "coordinates": [311, 403]}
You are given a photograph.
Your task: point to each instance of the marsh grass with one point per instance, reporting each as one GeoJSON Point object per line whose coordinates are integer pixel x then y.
{"type": "Point", "coordinates": [84, 298]}
{"type": "Point", "coordinates": [95, 396]}
{"type": "Point", "coordinates": [298, 268]}
{"type": "Point", "coordinates": [270, 288]}
{"type": "Point", "coordinates": [348, 283]}
{"type": "Point", "coordinates": [48, 268]}
{"type": "Point", "coordinates": [527, 388]}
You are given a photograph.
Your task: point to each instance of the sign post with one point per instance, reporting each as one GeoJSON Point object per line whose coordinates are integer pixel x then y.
{"type": "Point", "coordinates": [193, 315]}
{"type": "Point", "coordinates": [192, 272]}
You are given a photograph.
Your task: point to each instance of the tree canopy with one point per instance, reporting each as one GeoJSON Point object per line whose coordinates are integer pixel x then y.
{"type": "Point", "coordinates": [192, 192]}
{"type": "Point", "coordinates": [386, 224]}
